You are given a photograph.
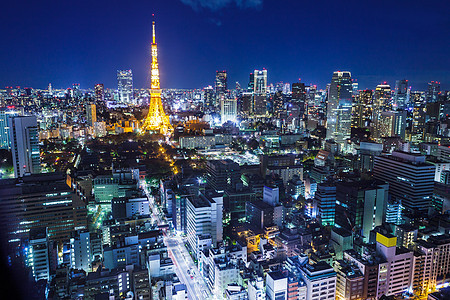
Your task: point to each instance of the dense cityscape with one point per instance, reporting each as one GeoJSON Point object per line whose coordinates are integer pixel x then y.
{"type": "Point", "coordinates": [238, 190]}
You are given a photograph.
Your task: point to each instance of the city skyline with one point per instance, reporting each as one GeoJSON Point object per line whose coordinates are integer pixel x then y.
{"type": "Point", "coordinates": [404, 41]}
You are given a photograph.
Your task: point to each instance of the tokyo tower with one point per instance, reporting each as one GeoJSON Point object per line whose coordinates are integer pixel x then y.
{"type": "Point", "coordinates": [156, 119]}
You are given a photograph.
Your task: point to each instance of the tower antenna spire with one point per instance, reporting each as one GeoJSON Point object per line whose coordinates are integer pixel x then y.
{"type": "Point", "coordinates": [153, 26]}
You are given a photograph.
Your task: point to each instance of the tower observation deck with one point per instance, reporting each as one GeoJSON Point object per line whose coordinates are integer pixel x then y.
{"type": "Point", "coordinates": [156, 119]}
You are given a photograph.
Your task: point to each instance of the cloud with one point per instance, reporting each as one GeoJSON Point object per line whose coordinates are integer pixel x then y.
{"type": "Point", "coordinates": [216, 22]}
{"type": "Point", "coordinates": [215, 5]}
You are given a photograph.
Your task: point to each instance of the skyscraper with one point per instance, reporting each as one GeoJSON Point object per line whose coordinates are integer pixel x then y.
{"type": "Point", "coordinates": [362, 111]}
{"type": "Point", "coordinates": [228, 110]}
{"type": "Point", "coordinates": [5, 114]}
{"type": "Point", "coordinates": [259, 101]}
{"type": "Point", "coordinates": [24, 145]}
{"type": "Point", "coordinates": [361, 205]}
{"type": "Point", "coordinates": [391, 123]}
{"type": "Point", "coordinates": [299, 96]}
{"type": "Point", "coordinates": [221, 82]}
{"type": "Point", "coordinates": [125, 86]}
{"type": "Point", "coordinates": [401, 94]}
{"type": "Point", "coordinates": [91, 114]}
{"type": "Point", "coordinates": [260, 82]}
{"type": "Point", "coordinates": [76, 90]}
{"type": "Point", "coordinates": [220, 87]}
{"type": "Point", "coordinates": [418, 115]}
{"type": "Point", "coordinates": [99, 91]}
{"type": "Point", "coordinates": [339, 108]}
{"type": "Point", "coordinates": [251, 82]}
{"type": "Point", "coordinates": [325, 199]}
{"type": "Point", "coordinates": [383, 97]}
{"type": "Point", "coordinates": [434, 88]}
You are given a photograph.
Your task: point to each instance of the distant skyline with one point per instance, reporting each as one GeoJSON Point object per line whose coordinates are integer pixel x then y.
{"type": "Point", "coordinates": [86, 42]}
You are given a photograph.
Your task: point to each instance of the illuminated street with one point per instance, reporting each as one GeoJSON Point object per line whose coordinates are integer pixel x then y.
{"type": "Point", "coordinates": [197, 287]}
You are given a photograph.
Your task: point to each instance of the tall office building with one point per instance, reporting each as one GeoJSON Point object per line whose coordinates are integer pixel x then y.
{"type": "Point", "coordinates": [401, 94]}
{"type": "Point", "coordinates": [410, 179]}
{"type": "Point", "coordinates": [39, 253]}
{"type": "Point", "coordinates": [361, 205]}
{"type": "Point", "coordinates": [433, 91]}
{"type": "Point", "coordinates": [221, 86]}
{"type": "Point", "coordinates": [339, 108]}
{"type": "Point", "coordinates": [391, 123]}
{"type": "Point", "coordinates": [125, 86]}
{"type": "Point", "coordinates": [362, 111]}
{"type": "Point", "coordinates": [259, 105]}
{"type": "Point", "coordinates": [228, 110]}
{"type": "Point", "coordinates": [251, 83]}
{"type": "Point", "coordinates": [204, 217]}
{"type": "Point", "coordinates": [260, 82]}
{"type": "Point", "coordinates": [99, 92]}
{"type": "Point", "coordinates": [91, 114]}
{"type": "Point", "coordinates": [24, 136]}
{"type": "Point", "coordinates": [76, 90]}
{"type": "Point", "coordinates": [221, 82]}
{"type": "Point", "coordinates": [418, 116]}
{"type": "Point", "coordinates": [38, 201]}
{"type": "Point", "coordinates": [5, 114]}
{"type": "Point", "coordinates": [325, 199]}
{"type": "Point", "coordinates": [223, 175]}
{"type": "Point", "coordinates": [208, 96]}
{"type": "Point", "coordinates": [299, 96]}
{"type": "Point", "coordinates": [383, 98]}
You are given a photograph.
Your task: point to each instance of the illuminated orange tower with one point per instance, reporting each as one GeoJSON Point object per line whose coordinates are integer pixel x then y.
{"type": "Point", "coordinates": [156, 119]}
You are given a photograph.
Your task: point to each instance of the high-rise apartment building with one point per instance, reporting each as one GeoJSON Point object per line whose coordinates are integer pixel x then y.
{"type": "Point", "coordinates": [339, 108]}
{"type": "Point", "coordinates": [99, 91]}
{"type": "Point", "coordinates": [24, 136]}
{"type": "Point", "coordinates": [410, 178]}
{"type": "Point", "coordinates": [320, 279]}
{"type": "Point", "coordinates": [276, 286]}
{"type": "Point", "coordinates": [125, 86]}
{"type": "Point", "coordinates": [91, 114]}
{"type": "Point", "coordinates": [394, 276]}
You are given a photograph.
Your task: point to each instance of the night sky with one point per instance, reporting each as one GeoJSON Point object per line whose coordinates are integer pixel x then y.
{"type": "Point", "coordinates": [64, 42]}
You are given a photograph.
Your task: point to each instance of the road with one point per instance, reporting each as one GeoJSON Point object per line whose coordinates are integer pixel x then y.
{"type": "Point", "coordinates": [196, 286]}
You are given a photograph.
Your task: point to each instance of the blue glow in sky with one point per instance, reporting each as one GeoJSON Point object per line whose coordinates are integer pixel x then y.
{"type": "Point", "coordinates": [63, 42]}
